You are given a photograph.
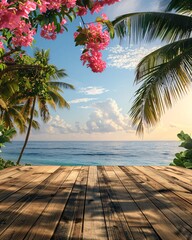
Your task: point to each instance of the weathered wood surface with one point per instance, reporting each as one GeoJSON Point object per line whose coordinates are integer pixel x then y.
{"type": "Point", "coordinates": [95, 203]}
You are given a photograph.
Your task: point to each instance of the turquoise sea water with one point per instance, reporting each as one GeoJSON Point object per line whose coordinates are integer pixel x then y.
{"type": "Point", "coordinates": [94, 153]}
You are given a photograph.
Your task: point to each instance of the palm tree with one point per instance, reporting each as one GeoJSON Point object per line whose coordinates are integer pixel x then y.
{"type": "Point", "coordinates": [12, 104]}
{"type": "Point", "coordinates": [41, 87]}
{"type": "Point", "coordinates": [164, 75]}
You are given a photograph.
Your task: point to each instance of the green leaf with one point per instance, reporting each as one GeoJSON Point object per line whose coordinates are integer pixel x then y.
{"type": "Point", "coordinates": [58, 29]}
{"type": "Point", "coordinates": [188, 165]}
{"type": "Point", "coordinates": [88, 3]}
{"type": "Point", "coordinates": [184, 137]}
{"type": "Point", "coordinates": [84, 51]}
{"type": "Point", "coordinates": [81, 39]}
{"type": "Point", "coordinates": [99, 19]}
{"type": "Point", "coordinates": [110, 28]}
{"type": "Point", "coordinates": [188, 153]}
{"type": "Point", "coordinates": [71, 18]}
{"type": "Point", "coordinates": [178, 162]}
{"type": "Point", "coordinates": [187, 145]}
{"type": "Point", "coordinates": [179, 155]}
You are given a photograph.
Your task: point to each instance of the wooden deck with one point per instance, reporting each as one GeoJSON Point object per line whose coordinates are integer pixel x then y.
{"type": "Point", "coordinates": [115, 203]}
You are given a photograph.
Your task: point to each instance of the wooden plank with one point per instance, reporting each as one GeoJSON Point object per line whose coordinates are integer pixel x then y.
{"type": "Point", "coordinates": [19, 176]}
{"type": "Point", "coordinates": [168, 184]}
{"type": "Point", "coordinates": [185, 175]}
{"type": "Point", "coordinates": [18, 196]}
{"type": "Point", "coordinates": [77, 224]}
{"type": "Point", "coordinates": [116, 222]}
{"type": "Point", "coordinates": [183, 209]}
{"type": "Point", "coordinates": [45, 226]}
{"type": "Point", "coordinates": [112, 203]}
{"type": "Point", "coordinates": [186, 171]}
{"type": "Point", "coordinates": [22, 224]}
{"type": "Point", "coordinates": [94, 223]}
{"type": "Point", "coordinates": [182, 220]}
{"type": "Point", "coordinates": [163, 227]}
{"type": "Point", "coordinates": [8, 173]}
{"type": "Point", "coordinates": [181, 180]}
{"type": "Point", "coordinates": [17, 183]}
{"type": "Point", "coordinates": [19, 210]}
{"type": "Point", "coordinates": [138, 223]}
{"type": "Point", "coordinates": [179, 170]}
{"type": "Point", "coordinates": [70, 224]}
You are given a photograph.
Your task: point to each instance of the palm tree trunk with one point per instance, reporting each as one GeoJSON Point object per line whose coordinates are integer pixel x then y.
{"type": "Point", "coordinates": [28, 130]}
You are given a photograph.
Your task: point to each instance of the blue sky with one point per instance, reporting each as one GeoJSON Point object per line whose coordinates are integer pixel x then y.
{"type": "Point", "coordinates": [100, 102]}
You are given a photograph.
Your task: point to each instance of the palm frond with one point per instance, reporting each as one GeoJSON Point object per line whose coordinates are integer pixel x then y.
{"type": "Point", "coordinates": [183, 7]}
{"type": "Point", "coordinates": [148, 26]}
{"type": "Point", "coordinates": [35, 125]}
{"type": "Point", "coordinates": [13, 117]}
{"type": "Point", "coordinates": [58, 99]}
{"type": "Point", "coordinates": [3, 104]}
{"type": "Point", "coordinates": [59, 73]}
{"type": "Point", "coordinates": [52, 103]}
{"type": "Point", "coordinates": [61, 85]}
{"type": "Point", "coordinates": [8, 87]}
{"type": "Point", "coordinates": [43, 109]}
{"type": "Point", "coordinates": [7, 120]}
{"type": "Point", "coordinates": [162, 55]}
{"type": "Point", "coordinates": [161, 85]}
{"type": "Point", "coordinates": [42, 56]}
{"type": "Point", "coordinates": [26, 108]}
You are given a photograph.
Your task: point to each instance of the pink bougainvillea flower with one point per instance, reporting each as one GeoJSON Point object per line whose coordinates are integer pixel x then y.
{"type": "Point", "coordinates": [82, 11]}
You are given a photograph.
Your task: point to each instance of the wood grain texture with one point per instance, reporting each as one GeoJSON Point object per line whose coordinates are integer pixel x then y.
{"type": "Point", "coordinates": [95, 203]}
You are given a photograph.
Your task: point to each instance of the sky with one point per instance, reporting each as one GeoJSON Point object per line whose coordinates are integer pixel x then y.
{"type": "Point", "coordinates": [100, 103]}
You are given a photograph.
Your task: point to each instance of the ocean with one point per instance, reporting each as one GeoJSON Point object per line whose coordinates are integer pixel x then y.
{"type": "Point", "coordinates": [94, 153]}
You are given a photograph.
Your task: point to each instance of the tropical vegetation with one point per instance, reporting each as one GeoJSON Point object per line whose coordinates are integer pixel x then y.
{"type": "Point", "coordinates": [41, 87]}
{"type": "Point", "coordinates": [6, 134]}
{"type": "Point", "coordinates": [21, 20]}
{"type": "Point", "coordinates": [164, 75]}
{"type": "Point", "coordinates": [184, 158]}
{"type": "Point", "coordinates": [29, 85]}
{"type": "Point", "coordinates": [21, 90]}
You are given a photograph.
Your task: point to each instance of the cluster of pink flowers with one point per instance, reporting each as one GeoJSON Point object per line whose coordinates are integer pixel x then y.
{"type": "Point", "coordinates": [10, 16]}
{"type": "Point", "coordinates": [96, 40]}
{"type": "Point", "coordinates": [97, 6]}
{"type": "Point", "coordinates": [45, 5]}
{"type": "Point", "coordinates": [93, 60]}
{"type": "Point", "coordinates": [49, 31]}
{"type": "Point", "coordinates": [14, 16]}
{"type": "Point", "coordinates": [12, 19]}
{"type": "Point", "coordinates": [23, 34]}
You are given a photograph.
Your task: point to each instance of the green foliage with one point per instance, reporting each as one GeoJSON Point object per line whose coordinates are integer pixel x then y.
{"type": "Point", "coordinates": [165, 74]}
{"type": "Point", "coordinates": [184, 158]}
{"type": "Point", "coordinates": [5, 134]}
{"type": "Point", "coordinates": [6, 164]}
{"type": "Point", "coordinates": [9, 163]}
{"type": "Point", "coordinates": [109, 26]}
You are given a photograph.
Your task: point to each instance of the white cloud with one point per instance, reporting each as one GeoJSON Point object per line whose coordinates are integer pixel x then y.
{"type": "Point", "coordinates": [82, 100]}
{"type": "Point", "coordinates": [58, 125]}
{"type": "Point", "coordinates": [85, 107]}
{"type": "Point", "coordinates": [93, 90]}
{"type": "Point", "coordinates": [127, 57]}
{"type": "Point", "coordinates": [107, 117]}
